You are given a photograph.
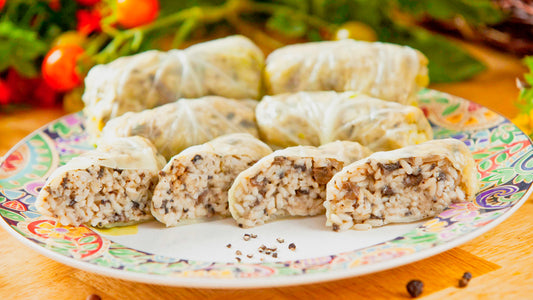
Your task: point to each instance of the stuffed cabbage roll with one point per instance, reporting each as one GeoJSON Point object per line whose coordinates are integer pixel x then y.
{"type": "Point", "coordinates": [175, 126]}
{"type": "Point", "coordinates": [386, 71]}
{"type": "Point", "coordinates": [194, 185]}
{"type": "Point", "coordinates": [316, 118]}
{"type": "Point", "coordinates": [403, 185]}
{"type": "Point", "coordinates": [229, 67]}
{"type": "Point", "coordinates": [289, 182]}
{"type": "Point", "coordinates": [109, 186]}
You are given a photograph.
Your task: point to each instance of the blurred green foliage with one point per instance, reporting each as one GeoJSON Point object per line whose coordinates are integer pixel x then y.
{"type": "Point", "coordinates": [27, 27]}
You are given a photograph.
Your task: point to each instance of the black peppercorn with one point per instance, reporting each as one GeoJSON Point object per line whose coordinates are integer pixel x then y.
{"type": "Point", "coordinates": [467, 275]}
{"type": "Point", "coordinates": [463, 282]}
{"type": "Point", "coordinates": [415, 288]}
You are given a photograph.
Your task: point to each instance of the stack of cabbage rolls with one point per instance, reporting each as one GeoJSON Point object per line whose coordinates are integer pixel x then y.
{"type": "Point", "coordinates": [229, 67]}
{"type": "Point", "coordinates": [331, 103]}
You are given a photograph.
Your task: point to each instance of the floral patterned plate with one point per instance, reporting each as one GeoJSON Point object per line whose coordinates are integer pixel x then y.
{"type": "Point", "coordinates": [214, 254]}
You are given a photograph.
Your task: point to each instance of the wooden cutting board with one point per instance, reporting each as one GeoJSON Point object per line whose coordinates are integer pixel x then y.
{"type": "Point", "coordinates": [501, 260]}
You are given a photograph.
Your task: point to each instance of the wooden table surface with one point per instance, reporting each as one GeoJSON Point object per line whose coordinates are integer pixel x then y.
{"type": "Point", "coordinates": [501, 260]}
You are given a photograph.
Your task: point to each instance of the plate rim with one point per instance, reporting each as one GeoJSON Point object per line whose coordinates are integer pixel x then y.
{"type": "Point", "coordinates": [264, 282]}
{"type": "Point", "coordinates": [257, 282]}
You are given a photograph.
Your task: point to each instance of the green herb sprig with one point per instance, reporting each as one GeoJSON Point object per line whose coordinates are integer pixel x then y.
{"type": "Point", "coordinates": [32, 22]}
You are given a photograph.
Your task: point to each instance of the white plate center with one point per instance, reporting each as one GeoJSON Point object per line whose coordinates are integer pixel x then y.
{"type": "Point", "coordinates": [208, 241]}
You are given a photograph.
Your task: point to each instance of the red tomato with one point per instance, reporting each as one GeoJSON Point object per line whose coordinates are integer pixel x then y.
{"type": "Point", "coordinates": [5, 92]}
{"type": "Point", "coordinates": [59, 67]}
{"type": "Point", "coordinates": [88, 21]}
{"type": "Point", "coordinates": [44, 95]}
{"type": "Point", "coordinates": [133, 13]}
{"type": "Point", "coordinates": [87, 2]}
{"type": "Point", "coordinates": [2, 3]}
{"type": "Point", "coordinates": [21, 88]}
{"type": "Point", "coordinates": [55, 5]}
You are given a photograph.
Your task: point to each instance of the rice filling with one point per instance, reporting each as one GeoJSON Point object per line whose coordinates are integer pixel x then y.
{"type": "Point", "coordinates": [194, 185]}
{"type": "Point", "coordinates": [404, 185]}
{"type": "Point", "coordinates": [289, 182]}
{"type": "Point", "coordinates": [101, 196]}
{"type": "Point", "coordinates": [111, 185]}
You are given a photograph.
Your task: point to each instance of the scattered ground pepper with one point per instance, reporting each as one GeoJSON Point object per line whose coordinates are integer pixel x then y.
{"type": "Point", "coordinates": [415, 288]}
{"type": "Point", "coordinates": [292, 246]}
{"type": "Point", "coordinates": [262, 249]}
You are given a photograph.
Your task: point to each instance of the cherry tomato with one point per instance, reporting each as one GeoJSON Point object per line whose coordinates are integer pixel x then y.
{"type": "Point", "coordinates": [44, 95]}
{"type": "Point", "coordinates": [357, 31]}
{"type": "Point", "coordinates": [21, 87]}
{"type": "Point", "coordinates": [88, 21]}
{"type": "Point", "coordinates": [5, 92]}
{"type": "Point", "coordinates": [59, 67]}
{"type": "Point", "coordinates": [69, 38]}
{"type": "Point", "coordinates": [133, 13]}
{"type": "Point", "coordinates": [2, 3]}
{"type": "Point", "coordinates": [87, 2]}
{"type": "Point", "coordinates": [55, 5]}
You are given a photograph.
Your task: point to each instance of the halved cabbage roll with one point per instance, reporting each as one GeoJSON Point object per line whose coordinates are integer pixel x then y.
{"type": "Point", "coordinates": [316, 118]}
{"type": "Point", "coordinates": [403, 185]}
{"type": "Point", "coordinates": [109, 186]}
{"type": "Point", "coordinates": [194, 185]}
{"type": "Point", "coordinates": [386, 71]}
{"type": "Point", "coordinates": [289, 182]}
{"type": "Point", "coordinates": [186, 122]}
{"type": "Point", "coordinates": [229, 67]}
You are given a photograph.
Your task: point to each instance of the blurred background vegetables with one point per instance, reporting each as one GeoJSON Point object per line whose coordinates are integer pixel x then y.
{"type": "Point", "coordinates": [48, 46]}
{"type": "Point", "coordinates": [524, 119]}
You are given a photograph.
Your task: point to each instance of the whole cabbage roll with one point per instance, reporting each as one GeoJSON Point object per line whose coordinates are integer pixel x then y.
{"type": "Point", "coordinates": [402, 185]}
{"type": "Point", "coordinates": [229, 67]}
{"type": "Point", "coordinates": [109, 186]}
{"type": "Point", "coordinates": [386, 71]}
{"type": "Point", "coordinates": [187, 122]}
{"type": "Point", "coordinates": [316, 118]}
